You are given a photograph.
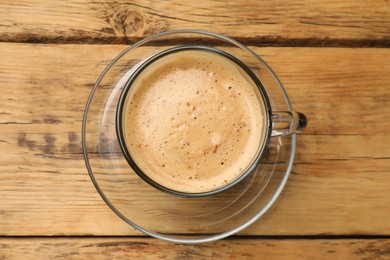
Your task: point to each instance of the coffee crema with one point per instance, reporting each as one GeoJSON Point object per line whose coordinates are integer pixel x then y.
{"type": "Point", "coordinates": [193, 121]}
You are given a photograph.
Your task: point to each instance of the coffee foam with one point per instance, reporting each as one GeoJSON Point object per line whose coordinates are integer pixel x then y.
{"type": "Point", "coordinates": [193, 121]}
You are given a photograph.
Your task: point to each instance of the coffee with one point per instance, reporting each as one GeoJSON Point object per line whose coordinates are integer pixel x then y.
{"type": "Point", "coordinates": [193, 121]}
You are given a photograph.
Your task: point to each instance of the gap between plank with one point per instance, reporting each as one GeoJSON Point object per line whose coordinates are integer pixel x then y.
{"type": "Point", "coordinates": [257, 237]}
{"type": "Point", "coordinates": [254, 41]}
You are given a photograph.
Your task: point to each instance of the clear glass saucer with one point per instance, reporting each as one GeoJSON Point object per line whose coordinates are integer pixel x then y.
{"type": "Point", "coordinates": [156, 213]}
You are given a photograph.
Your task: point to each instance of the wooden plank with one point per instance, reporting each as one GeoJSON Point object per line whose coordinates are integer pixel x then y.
{"type": "Point", "coordinates": [307, 23]}
{"type": "Point", "coordinates": [340, 177]}
{"type": "Point", "coordinates": [148, 248]}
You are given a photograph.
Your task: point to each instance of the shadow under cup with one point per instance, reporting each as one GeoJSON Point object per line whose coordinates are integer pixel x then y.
{"type": "Point", "coordinates": [261, 95]}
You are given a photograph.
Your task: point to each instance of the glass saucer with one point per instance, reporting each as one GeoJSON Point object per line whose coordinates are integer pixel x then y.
{"type": "Point", "coordinates": [156, 213]}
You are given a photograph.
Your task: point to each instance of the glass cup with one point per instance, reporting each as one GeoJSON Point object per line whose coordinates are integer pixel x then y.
{"type": "Point", "coordinates": [277, 122]}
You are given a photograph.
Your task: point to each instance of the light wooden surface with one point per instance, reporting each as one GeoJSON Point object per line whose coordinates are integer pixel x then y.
{"type": "Point", "coordinates": [141, 248]}
{"type": "Point", "coordinates": [52, 53]}
{"type": "Point", "coordinates": [340, 158]}
{"type": "Point", "coordinates": [346, 23]}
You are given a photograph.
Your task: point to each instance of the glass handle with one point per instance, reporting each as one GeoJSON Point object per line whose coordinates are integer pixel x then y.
{"type": "Point", "coordinates": [287, 122]}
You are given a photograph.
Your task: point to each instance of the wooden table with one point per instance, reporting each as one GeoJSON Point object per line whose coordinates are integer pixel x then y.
{"type": "Point", "coordinates": [333, 58]}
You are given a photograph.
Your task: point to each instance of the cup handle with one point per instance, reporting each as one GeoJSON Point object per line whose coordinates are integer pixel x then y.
{"type": "Point", "coordinates": [287, 122]}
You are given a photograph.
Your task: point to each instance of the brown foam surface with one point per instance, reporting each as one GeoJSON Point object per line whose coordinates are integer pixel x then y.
{"type": "Point", "coordinates": [193, 121]}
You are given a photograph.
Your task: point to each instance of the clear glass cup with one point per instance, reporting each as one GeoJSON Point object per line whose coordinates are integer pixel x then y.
{"type": "Point", "coordinates": [164, 215]}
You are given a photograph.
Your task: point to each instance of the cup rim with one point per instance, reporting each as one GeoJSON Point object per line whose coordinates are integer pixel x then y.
{"type": "Point", "coordinates": [138, 170]}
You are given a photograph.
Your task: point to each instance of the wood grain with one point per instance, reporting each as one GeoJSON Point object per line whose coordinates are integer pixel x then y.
{"type": "Point", "coordinates": [339, 183]}
{"type": "Point", "coordinates": [148, 248]}
{"type": "Point", "coordinates": [285, 23]}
